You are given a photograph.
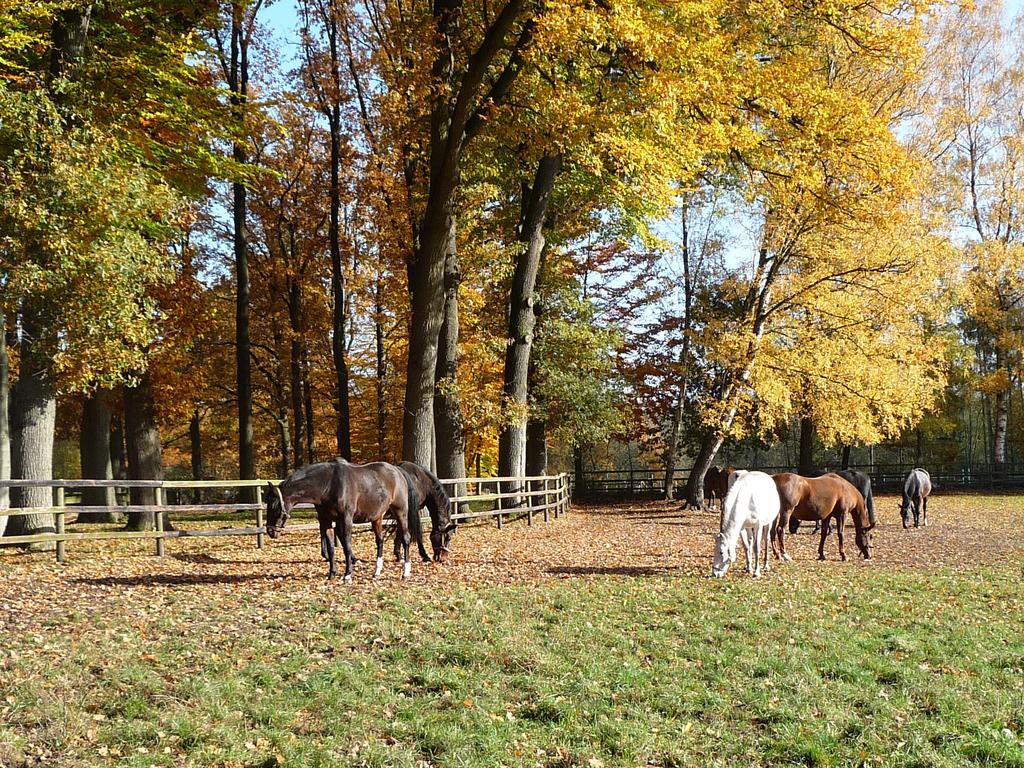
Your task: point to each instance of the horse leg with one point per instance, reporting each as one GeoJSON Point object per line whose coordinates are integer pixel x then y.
{"type": "Point", "coordinates": [745, 538]}
{"type": "Point", "coordinates": [378, 532]}
{"type": "Point", "coordinates": [346, 543]}
{"type": "Point", "coordinates": [821, 542]}
{"type": "Point", "coordinates": [764, 532]}
{"type": "Point", "coordinates": [840, 518]}
{"type": "Point", "coordinates": [917, 511]}
{"type": "Point", "coordinates": [754, 539]}
{"type": "Point", "coordinates": [406, 541]}
{"type": "Point", "coordinates": [327, 547]}
{"type": "Point", "coordinates": [781, 533]}
{"type": "Point", "coordinates": [924, 503]}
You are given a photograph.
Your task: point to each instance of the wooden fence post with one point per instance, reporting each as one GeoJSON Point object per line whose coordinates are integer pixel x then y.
{"type": "Point", "coordinates": [547, 499]}
{"type": "Point", "coordinates": [529, 501]}
{"type": "Point", "coordinates": [497, 490]}
{"type": "Point", "coordinates": [59, 521]}
{"type": "Point", "coordinates": [159, 494]}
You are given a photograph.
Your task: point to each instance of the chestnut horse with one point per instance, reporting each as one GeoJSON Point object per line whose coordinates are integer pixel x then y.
{"type": "Point", "coordinates": [345, 494]}
{"type": "Point", "coordinates": [821, 499]}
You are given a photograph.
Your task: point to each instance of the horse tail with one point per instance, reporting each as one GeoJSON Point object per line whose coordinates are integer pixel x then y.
{"type": "Point", "coordinates": [869, 500]}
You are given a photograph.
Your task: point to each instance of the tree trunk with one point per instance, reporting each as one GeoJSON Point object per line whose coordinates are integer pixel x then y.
{"type": "Point", "coordinates": [1002, 420]}
{"type": "Point", "coordinates": [579, 475]}
{"type": "Point", "coordinates": [5, 429]}
{"type": "Point", "coordinates": [450, 440]}
{"type": "Point", "coordinates": [536, 448]}
{"type": "Point", "coordinates": [238, 84]}
{"type": "Point", "coordinates": [702, 462]}
{"type": "Point", "coordinates": [521, 322]}
{"type": "Point", "coordinates": [195, 440]}
{"type": "Point", "coordinates": [307, 402]}
{"type": "Point", "coordinates": [118, 457]}
{"type": "Point", "coordinates": [144, 450]}
{"type": "Point", "coordinates": [295, 382]}
{"type": "Point", "coordinates": [94, 450]}
{"type": "Point", "coordinates": [381, 371]}
{"type": "Point", "coordinates": [806, 461]}
{"type": "Point", "coordinates": [846, 456]}
{"type": "Point", "coordinates": [452, 123]}
{"type": "Point", "coordinates": [33, 398]}
{"type": "Point", "coordinates": [676, 425]}
{"type": "Point", "coordinates": [33, 413]}
{"type": "Point", "coordinates": [338, 290]}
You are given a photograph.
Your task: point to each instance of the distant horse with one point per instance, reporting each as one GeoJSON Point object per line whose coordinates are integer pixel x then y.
{"type": "Point", "coordinates": [823, 499]}
{"type": "Point", "coordinates": [428, 492]}
{"type": "Point", "coordinates": [345, 494]}
{"type": "Point", "coordinates": [916, 489]}
{"type": "Point", "coordinates": [717, 482]}
{"type": "Point", "coordinates": [858, 480]}
{"type": "Point", "coordinates": [749, 510]}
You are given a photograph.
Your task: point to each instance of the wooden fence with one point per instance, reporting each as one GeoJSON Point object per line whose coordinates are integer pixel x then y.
{"type": "Point", "coordinates": [648, 483]}
{"type": "Point", "coordinates": [501, 498]}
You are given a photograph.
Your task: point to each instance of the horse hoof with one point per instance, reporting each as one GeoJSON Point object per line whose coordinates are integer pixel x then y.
{"type": "Point", "coordinates": [787, 557]}
{"type": "Point", "coordinates": [331, 576]}
{"type": "Point", "coordinates": [348, 578]}
{"type": "Point", "coordinates": [821, 558]}
{"type": "Point", "coordinates": [841, 557]}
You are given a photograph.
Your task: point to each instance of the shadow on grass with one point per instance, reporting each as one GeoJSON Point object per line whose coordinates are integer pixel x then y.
{"type": "Point", "coordinates": [174, 579]}
{"type": "Point", "coordinates": [614, 570]}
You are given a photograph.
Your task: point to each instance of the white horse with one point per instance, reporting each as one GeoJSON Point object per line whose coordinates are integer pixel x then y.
{"type": "Point", "coordinates": [750, 509]}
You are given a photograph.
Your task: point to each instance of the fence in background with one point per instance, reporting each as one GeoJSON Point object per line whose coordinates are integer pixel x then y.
{"type": "Point", "coordinates": [501, 498]}
{"type": "Point", "coordinates": [648, 483]}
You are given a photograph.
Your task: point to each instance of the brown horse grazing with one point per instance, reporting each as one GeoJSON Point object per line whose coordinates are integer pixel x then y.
{"type": "Point", "coordinates": [345, 494]}
{"type": "Point", "coordinates": [427, 491]}
{"type": "Point", "coordinates": [717, 483]}
{"type": "Point", "coordinates": [819, 499]}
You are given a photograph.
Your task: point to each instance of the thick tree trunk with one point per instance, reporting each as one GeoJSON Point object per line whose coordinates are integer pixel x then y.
{"type": "Point", "coordinates": [5, 429]}
{"type": "Point", "coordinates": [522, 320]}
{"type": "Point", "coordinates": [702, 462]}
{"type": "Point", "coordinates": [847, 450]}
{"type": "Point", "coordinates": [806, 461]}
{"type": "Point", "coordinates": [33, 413]}
{"type": "Point", "coordinates": [195, 441]}
{"type": "Point", "coordinates": [536, 448]}
{"type": "Point", "coordinates": [94, 450]}
{"type": "Point", "coordinates": [450, 446]}
{"type": "Point", "coordinates": [118, 457]}
{"type": "Point", "coordinates": [453, 121]}
{"type": "Point", "coordinates": [144, 450]}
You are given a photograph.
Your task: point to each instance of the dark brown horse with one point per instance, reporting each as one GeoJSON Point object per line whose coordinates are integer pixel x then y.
{"type": "Point", "coordinates": [821, 499]}
{"type": "Point", "coordinates": [427, 491]}
{"type": "Point", "coordinates": [345, 494]}
{"type": "Point", "coordinates": [717, 482]}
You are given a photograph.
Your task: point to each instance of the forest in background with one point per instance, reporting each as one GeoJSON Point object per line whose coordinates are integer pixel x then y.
{"type": "Point", "coordinates": [505, 239]}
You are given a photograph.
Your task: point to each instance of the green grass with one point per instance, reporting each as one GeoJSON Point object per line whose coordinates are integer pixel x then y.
{"type": "Point", "coordinates": [857, 667]}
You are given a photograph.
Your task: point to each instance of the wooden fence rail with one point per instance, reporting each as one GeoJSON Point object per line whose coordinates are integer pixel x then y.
{"type": "Point", "coordinates": [545, 495]}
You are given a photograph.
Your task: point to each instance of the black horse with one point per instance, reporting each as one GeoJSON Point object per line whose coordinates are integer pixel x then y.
{"type": "Point", "coordinates": [427, 491]}
{"type": "Point", "coordinates": [344, 494]}
{"type": "Point", "coordinates": [916, 489]}
{"type": "Point", "coordinates": [858, 480]}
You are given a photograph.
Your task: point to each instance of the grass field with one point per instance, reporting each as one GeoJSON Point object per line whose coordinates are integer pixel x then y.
{"type": "Point", "coordinates": [594, 640]}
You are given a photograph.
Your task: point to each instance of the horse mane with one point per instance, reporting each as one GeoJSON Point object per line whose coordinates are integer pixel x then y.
{"type": "Point", "coordinates": [415, 522]}
{"type": "Point", "coordinates": [438, 503]}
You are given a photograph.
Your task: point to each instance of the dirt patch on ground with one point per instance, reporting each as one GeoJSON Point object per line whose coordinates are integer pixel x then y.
{"type": "Point", "coordinates": [645, 540]}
